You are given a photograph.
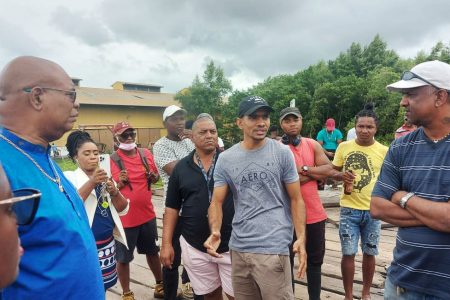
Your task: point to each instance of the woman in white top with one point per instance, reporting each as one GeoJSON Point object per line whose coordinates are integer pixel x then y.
{"type": "Point", "coordinates": [103, 201]}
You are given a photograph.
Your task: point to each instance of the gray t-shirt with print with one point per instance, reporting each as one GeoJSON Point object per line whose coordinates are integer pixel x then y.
{"type": "Point", "coordinates": [262, 221]}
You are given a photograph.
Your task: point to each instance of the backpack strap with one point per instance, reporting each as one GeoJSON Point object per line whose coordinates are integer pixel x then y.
{"type": "Point", "coordinates": [116, 159]}
{"type": "Point", "coordinates": [148, 172]}
{"type": "Point", "coordinates": [144, 160]}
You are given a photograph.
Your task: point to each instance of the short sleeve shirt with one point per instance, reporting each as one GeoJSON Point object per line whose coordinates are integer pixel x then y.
{"type": "Point", "coordinates": [189, 192]}
{"type": "Point", "coordinates": [141, 206]}
{"type": "Point", "coordinates": [416, 164]}
{"type": "Point", "coordinates": [365, 162]}
{"type": "Point", "coordinates": [329, 139]}
{"type": "Point", "coordinates": [166, 151]}
{"type": "Point", "coordinates": [262, 220]}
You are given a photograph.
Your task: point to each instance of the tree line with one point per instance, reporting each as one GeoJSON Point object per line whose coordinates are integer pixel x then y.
{"type": "Point", "coordinates": [335, 89]}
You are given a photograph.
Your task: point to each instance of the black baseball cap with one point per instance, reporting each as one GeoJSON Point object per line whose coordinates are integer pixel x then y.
{"type": "Point", "coordinates": [251, 104]}
{"type": "Point", "coordinates": [290, 111]}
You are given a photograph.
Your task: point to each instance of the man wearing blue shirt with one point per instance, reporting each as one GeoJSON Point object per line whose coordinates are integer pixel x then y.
{"type": "Point", "coordinates": [413, 189]}
{"type": "Point", "coordinates": [329, 138]}
{"type": "Point", "coordinates": [37, 106]}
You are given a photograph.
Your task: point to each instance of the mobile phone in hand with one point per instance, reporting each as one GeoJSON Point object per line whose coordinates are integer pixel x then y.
{"type": "Point", "coordinates": [104, 163]}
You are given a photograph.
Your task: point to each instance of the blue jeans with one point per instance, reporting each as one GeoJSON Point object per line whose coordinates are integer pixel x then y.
{"type": "Point", "coordinates": [394, 292]}
{"type": "Point", "coordinates": [355, 223]}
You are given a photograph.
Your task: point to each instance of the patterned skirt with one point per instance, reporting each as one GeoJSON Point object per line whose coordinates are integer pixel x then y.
{"type": "Point", "coordinates": [106, 250]}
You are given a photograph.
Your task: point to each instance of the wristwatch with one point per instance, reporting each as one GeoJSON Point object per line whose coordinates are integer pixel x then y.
{"type": "Point", "coordinates": [305, 169]}
{"type": "Point", "coordinates": [405, 199]}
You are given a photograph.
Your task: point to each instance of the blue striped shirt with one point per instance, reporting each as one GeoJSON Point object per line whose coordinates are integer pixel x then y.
{"type": "Point", "coordinates": [416, 164]}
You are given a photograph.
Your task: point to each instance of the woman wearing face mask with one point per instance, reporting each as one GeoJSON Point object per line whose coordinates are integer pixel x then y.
{"type": "Point", "coordinates": [102, 200]}
{"type": "Point", "coordinates": [19, 210]}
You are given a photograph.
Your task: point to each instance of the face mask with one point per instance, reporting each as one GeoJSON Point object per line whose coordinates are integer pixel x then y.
{"type": "Point", "coordinates": [127, 147]}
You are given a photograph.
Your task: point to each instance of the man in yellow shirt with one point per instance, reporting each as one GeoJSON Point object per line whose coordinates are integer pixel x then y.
{"type": "Point", "coordinates": [360, 160]}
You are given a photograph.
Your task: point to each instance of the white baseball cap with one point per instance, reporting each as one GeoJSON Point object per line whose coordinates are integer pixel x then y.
{"type": "Point", "coordinates": [170, 110]}
{"type": "Point", "coordinates": [435, 73]}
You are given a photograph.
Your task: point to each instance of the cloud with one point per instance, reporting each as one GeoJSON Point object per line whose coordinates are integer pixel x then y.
{"type": "Point", "coordinates": [167, 42]}
{"type": "Point", "coordinates": [87, 28]}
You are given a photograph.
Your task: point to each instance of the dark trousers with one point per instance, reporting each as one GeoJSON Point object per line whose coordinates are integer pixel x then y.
{"type": "Point", "coordinates": [315, 250]}
{"type": "Point", "coordinates": [170, 276]}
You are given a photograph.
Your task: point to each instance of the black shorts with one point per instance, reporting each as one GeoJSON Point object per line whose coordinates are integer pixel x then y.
{"type": "Point", "coordinates": [142, 237]}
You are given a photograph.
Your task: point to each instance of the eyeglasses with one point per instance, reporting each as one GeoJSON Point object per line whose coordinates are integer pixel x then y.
{"type": "Point", "coordinates": [23, 210]}
{"type": "Point", "coordinates": [72, 94]}
{"type": "Point", "coordinates": [408, 75]}
{"type": "Point", "coordinates": [125, 135]}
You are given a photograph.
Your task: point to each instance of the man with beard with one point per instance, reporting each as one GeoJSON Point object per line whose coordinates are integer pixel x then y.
{"type": "Point", "coordinates": [261, 174]}
{"type": "Point", "coordinates": [312, 165]}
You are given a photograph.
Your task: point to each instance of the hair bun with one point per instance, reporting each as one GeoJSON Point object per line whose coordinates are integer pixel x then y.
{"type": "Point", "coordinates": [368, 106]}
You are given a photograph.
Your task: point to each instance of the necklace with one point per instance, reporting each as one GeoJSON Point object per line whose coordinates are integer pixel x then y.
{"type": "Point", "coordinates": [207, 175]}
{"type": "Point", "coordinates": [330, 136]}
{"type": "Point", "coordinates": [102, 200]}
{"type": "Point", "coordinates": [442, 138]}
{"type": "Point", "coordinates": [56, 180]}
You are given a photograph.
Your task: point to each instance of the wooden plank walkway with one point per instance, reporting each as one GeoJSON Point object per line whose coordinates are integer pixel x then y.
{"type": "Point", "coordinates": [142, 280]}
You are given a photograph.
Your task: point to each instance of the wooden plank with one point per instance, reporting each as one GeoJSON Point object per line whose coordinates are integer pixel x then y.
{"type": "Point", "coordinates": [332, 286]}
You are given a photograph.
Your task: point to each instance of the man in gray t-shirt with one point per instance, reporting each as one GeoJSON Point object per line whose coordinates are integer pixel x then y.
{"type": "Point", "coordinates": [262, 176]}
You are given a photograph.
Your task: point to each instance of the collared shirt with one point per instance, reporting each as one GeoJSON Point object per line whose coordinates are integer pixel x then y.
{"type": "Point", "coordinates": [416, 164]}
{"type": "Point", "coordinates": [60, 259]}
{"type": "Point", "coordinates": [188, 190]}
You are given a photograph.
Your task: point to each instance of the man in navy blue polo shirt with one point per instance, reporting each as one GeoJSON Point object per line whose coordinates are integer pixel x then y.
{"type": "Point", "coordinates": [37, 106]}
{"type": "Point", "coordinates": [413, 189]}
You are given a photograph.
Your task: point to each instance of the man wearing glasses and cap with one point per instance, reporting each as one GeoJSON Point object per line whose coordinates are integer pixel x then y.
{"type": "Point", "coordinates": [18, 208]}
{"type": "Point", "coordinates": [134, 171]}
{"type": "Point", "coordinates": [261, 174]}
{"type": "Point", "coordinates": [37, 106]}
{"type": "Point", "coordinates": [413, 188]}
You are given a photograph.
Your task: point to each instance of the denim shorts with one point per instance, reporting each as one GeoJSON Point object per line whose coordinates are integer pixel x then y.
{"type": "Point", "coordinates": [354, 223]}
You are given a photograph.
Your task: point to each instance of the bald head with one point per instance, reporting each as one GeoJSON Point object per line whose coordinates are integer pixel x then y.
{"type": "Point", "coordinates": [36, 90]}
{"type": "Point", "coordinates": [28, 71]}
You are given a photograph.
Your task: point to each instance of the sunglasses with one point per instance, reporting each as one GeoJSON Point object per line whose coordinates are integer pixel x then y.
{"type": "Point", "coordinates": [71, 94]}
{"type": "Point", "coordinates": [125, 135]}
{"type": "Point", "coordinates": [408, 75]}
{"type": "Point", "coordinates": [23, 209]}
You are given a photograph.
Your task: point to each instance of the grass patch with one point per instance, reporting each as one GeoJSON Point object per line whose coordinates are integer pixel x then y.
{"type": "Point", "coordinates": [66, 164]}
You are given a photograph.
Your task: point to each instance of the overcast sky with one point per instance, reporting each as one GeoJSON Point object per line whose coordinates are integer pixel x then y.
{"type": "Point", "coordinates": [168, 42]}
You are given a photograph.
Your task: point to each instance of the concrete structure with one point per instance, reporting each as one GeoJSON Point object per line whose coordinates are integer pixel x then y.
{"type": "Point", "coordinates": [140, 104]}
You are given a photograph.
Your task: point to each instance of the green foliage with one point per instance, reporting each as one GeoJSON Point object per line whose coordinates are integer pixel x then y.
{"type": "Point", "coordinates": [66, 164]}
{"type": "Point", "coordinates": [206, 94]}
{"type": "Point", "coordinates": [338, 89]}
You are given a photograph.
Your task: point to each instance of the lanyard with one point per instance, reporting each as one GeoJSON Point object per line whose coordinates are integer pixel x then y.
{"type": "Point", "coordinates": [208, 176]}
